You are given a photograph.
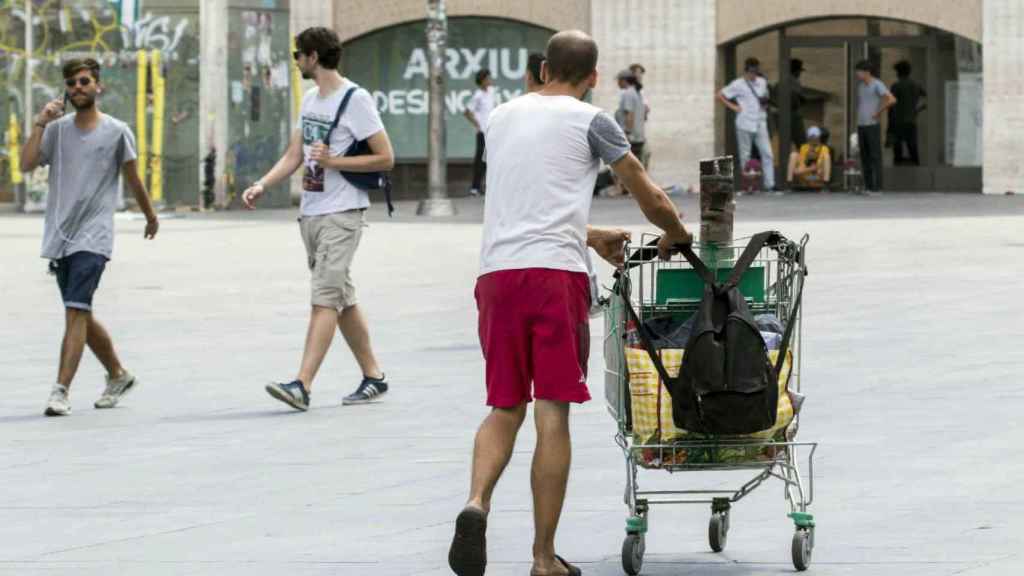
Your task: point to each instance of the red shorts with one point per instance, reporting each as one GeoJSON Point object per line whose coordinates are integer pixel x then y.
{"type": "Point", "coordinates": [534, 329]}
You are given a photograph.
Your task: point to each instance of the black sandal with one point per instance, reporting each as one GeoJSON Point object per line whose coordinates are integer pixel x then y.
{"type": "Point", "coordinates": [468, 554]}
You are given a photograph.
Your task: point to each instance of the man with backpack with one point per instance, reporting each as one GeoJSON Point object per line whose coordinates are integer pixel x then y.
{"type": "Point", "coordinates": [333, 210]}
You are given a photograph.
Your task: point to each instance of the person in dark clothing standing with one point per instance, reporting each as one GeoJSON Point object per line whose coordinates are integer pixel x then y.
{"type": "Point", "coordinates": [873, 98]}
{"type": "Point", "coordinates": [797, 132]}
{"type": "Point", "coordinates": [903, 116]}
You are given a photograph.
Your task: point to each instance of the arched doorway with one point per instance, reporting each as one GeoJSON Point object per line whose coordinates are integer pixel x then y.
{"type": "Point", "coordinates": [932, 137]}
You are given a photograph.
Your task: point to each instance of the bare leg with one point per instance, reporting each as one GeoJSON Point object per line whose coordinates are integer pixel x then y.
{"type": "Point", "coordinates": [76, 326]}
{"type": "Point", "coordinates": [353, 327]}
{"type": "Point", "coordinates": [492, 451]}
{"type": "Point", "coordinates": [548, 479]}
{"type": "Point", "coordinates": [794, 158]}
{"type": "Point", "coordinates": [318, 341]}
{"type": "Point", "coordinates": [102, 346]}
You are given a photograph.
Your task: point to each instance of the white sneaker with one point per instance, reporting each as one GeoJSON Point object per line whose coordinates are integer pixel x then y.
{"type": "Point", "coordinates": [58, 404]}
{"type": "Point", "coordinates": [116, 388]}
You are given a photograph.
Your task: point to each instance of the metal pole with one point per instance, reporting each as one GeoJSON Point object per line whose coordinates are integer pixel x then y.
{"type": "Point", "coordinates": [22, 190]}
{"type": "Point", "coordinates": [437, 202]}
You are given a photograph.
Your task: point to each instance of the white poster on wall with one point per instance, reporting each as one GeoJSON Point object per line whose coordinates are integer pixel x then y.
{"type": "Point", "coordinates": [964, 102]}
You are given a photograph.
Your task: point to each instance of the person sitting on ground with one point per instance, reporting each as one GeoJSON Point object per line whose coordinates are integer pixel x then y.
{"type": "Point", "coordinates": [811, 167]}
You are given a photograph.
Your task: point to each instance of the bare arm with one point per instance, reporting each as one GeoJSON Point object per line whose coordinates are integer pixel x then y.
{"type": "Point", "coordinates": [630, 121]}
{"type": "Point", "coordinates": [888, 101]}
{"type": "Point", "coordinates": [657, 207]}
{"type": "Point", "coordinates": [728, 104]}
{"type": "Point", "coordinates": [382, 159]}
{"type": "Point", "coordinates": [284, 168]}
{"type": "Point", "coordinates": [472, 119]}
{"type": "Point", "coordinates": [130, 172]}
{"type": "Point", "coordinates": [30, 151]}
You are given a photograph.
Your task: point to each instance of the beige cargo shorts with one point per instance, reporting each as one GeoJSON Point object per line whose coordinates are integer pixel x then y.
{"type": "Point", "coordinates": [331, 241]}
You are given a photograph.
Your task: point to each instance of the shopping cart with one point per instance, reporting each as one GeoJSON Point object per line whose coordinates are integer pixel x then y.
{"type": "Point", "coordinates": [659, 289]}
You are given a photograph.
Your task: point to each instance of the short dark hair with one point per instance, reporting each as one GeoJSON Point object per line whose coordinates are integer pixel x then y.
{"type": "Point", "coordinates": [324, 42]}
{"type": "Point", "coordinates": [865, 66]}
{"type": "Point", "coordinates": [751, 63]}
{"type": "Point", "coordinates": [76, 65]}
{"type": "Point", "coordinates": [481, 75]}
{"type": "Point", "coordinates": [638, 66]}
{"type": "Point", "coordinates": [571, 56]}
{"type": "Point", "coordinates": [902, 68]}
{"type": "Point", "coordinates": [533, 64]}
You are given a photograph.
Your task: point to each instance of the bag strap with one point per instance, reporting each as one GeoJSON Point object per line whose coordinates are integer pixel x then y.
{"type": "Point", "coordinates": [337, 115]}
{"type": "Point", "coordinates": [747, 258]}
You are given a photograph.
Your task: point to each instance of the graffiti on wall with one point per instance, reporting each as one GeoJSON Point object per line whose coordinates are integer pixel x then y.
{"type": "Point", "coordinates": [92, 28]}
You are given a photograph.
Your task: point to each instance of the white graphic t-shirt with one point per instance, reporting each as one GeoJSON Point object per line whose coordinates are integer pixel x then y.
{"type": "Point", "coordinates": [327, 191]}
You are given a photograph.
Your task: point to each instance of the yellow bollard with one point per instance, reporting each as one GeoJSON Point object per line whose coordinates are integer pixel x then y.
{"type": "Point", "coordinates": [156, 186]}
{"type": "Point", "coordinates": [296, 88]}
{"type": "Point", "coordinates": [140, 114]}
{"type": "Point", "coordinates": [13, 152]}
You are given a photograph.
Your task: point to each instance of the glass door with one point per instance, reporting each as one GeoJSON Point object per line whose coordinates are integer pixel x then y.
{"type": "Point", "coordinates": [816, 93]}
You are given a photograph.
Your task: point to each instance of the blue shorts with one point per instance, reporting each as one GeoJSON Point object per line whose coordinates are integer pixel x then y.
{"type": "Point", "coordinates": [78, 276]}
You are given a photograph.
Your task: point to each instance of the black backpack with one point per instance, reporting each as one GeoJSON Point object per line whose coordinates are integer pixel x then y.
{"type": "Point", "coordinates": [726, 385]}
{"type": "Point", "coordinates": [361, 180]}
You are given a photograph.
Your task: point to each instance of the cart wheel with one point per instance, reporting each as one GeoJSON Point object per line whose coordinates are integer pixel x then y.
{"type": "Point", "coordinates": [633, 553]}
{"type": "Point", "coordinates": [718, 530]}
{"type": "Point", "coordinates": [803, 544]}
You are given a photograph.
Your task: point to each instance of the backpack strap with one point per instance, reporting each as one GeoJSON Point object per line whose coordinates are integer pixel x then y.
{"type": "Point", "coordinates": [337, 115]}
{"type": "Point", "coordinates": [747, 258]}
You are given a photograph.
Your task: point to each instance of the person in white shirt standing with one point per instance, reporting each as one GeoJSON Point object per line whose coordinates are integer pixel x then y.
{"type": "Point", "coordinates": [478, 112]}
{"type": "Point", "coordinates": [333, 210]}
{"type": "Point", "coordinates": [544, 150]}
{"type": "Point", "coordinates": [748, 97]}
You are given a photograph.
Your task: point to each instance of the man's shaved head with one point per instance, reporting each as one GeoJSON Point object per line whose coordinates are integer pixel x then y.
{"type": "Point", "coordinates": [571, 57]}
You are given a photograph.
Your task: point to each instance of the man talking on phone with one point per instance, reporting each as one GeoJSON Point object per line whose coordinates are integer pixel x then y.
{"type": "Point", "coordinates": [86, 152]}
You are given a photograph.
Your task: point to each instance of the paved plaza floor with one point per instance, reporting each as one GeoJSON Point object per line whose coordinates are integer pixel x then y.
{"type": "Point", "coordinates": [913, 355]}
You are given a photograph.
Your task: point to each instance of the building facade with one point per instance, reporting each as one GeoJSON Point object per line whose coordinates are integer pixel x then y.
{"type": "Point", "coordinates": [211, 93]}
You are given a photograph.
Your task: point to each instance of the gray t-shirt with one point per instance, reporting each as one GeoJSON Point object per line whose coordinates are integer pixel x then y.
{"type": "Point", "coordinates": [631, 101]}
{"type": "Point", "coordinates": [869, 98]}
{"type": "Point", "coordinates": [84, 184]}
{"type": "Point", "coordinates": [607, 141]}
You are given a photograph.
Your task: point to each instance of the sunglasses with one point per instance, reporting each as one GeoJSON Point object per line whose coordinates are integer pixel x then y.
{"type": "Point", "coordinates": [83, 82]}
{"type": "Point", "coordinates": [296, 54]}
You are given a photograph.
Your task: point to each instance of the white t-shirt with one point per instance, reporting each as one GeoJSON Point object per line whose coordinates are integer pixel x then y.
{"type": "Point", "coordinates": [748, 95]}
{"type": "Point", "coordinates": [327, 191]}
{"type": "Point", "coordinates": [543, 155]}
{"type": "Point", "coordinates": [482, 104]}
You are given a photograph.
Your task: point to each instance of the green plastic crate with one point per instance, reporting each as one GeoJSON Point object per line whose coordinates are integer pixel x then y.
{"type": "Point", "coordinates": [685, 285]}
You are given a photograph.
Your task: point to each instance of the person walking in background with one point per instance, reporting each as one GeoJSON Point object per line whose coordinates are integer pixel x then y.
{"type": "Point", "coordinates": [640, 72]}
{"type": "Point", "coordinates": [903, 115]}
{"type": "Point", "coordinates": [533, 293]}
{"type": "Point", "coordinates": [748, 97]}
{"type": "Point", "coordinates": [333, 211]}
{"type": "Point", "coordinates": [631, 113]}
{"type": "Point", "coordinates": [873, 98]}
{"type": "Point", "coordinates": [478, 112]}
{"type": "Point", "coordinates": [86, 152]}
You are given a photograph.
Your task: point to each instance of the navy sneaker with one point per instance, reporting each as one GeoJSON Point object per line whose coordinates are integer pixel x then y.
{"type": "Point", "coordinates": [293, 394]}
{"type": "Point", "coordinates": [369, 390]}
